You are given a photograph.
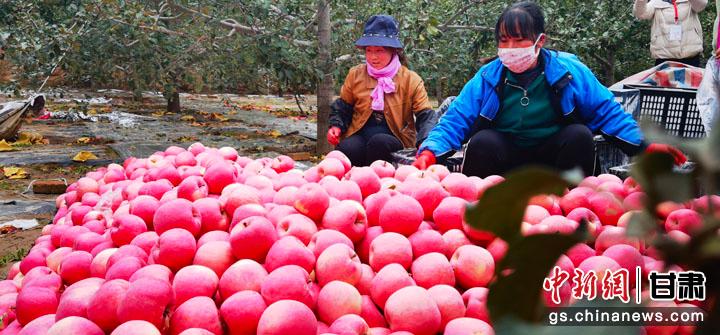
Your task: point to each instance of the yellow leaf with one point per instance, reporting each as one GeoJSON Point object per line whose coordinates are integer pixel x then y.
{"type": "Point", "coordinates": [188, 118]}
{"type": "Point", "coordinates": [92, 111]}
{"type": "Point", "coordinates": [13, 172]}
{"type": "Point", "coordinates": [204, 113]}
{"type": "Point", "coordinates": [219, 117]}
{"type": "Point", "coordinates": [26, 138]}
{"type": "Point", "coordinates": [83, 140]}
{"type": "Point", "coordinates": [158, 114]}
{"type": "Point", "coordinates": [275, 134]}
{"type": "Point", "coordinates": [83, 156]}
{"type": "Point", "coordinates": [4, 146]}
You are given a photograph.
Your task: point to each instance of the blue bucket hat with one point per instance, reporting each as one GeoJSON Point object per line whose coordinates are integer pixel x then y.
{"type": "Point", "coordinates": [381, 31]}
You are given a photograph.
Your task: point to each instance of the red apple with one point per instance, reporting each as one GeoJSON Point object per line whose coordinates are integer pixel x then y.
{"type": "Point", "coordinates": [412, 309]}
{"type": "Point", "coordinates": [336, 299]}
{"type": "Point", "coordinates": [252, 238]}
{"type": "Point", "coordinates": [242, 311]}
{"type": "Point", "coordinates": [287, 282]}
{"type": "Point", "coordinates": [347, 217]}
{"type": "Point", "coordinates": [312, 201]}
{"type": "Point", "coordinates": [287, 317]}
{"type": "Point", "coordinates": [338, 262]}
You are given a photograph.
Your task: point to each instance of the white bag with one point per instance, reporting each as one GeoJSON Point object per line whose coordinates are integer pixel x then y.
{"type": "Point", "coordinates": [708, 95]}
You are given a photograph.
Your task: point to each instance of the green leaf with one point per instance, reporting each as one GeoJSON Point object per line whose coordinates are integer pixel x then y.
{"type": "Point", "coordinates": [501, 208]}
{"type": "Point", "coordinates": [709, 149]}
{"type": "Point", "coordinates": [432, 30]}
{"type": "Point", "coordinates": [641, 224]}
{"type": "Point", "coordinates": [654, 172]}
{"type": "Point", "coordinates": [530, 260]}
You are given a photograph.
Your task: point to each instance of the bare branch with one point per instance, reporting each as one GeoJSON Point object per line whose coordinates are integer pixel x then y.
{"type": "Point", "coordinates": [236, 27]}
{"type": "Point", "coordinates": [154, 28]}
{"type": "Point", "coordinates": [189, 10]}
{"type": "Point", "coordinates": [282, 14]}
{"type": "Point", "coordinates": [344, 58]}
{"type": "Point", "coordinates": [426, 51]}
{"type": "Point", "coordinates": [344, 22]}
{"type": "Point", "coordinates": [468, 27]}
{"type": "Point", "coordinates": [458, 13]}
{"type": "Point", "coordinates": [166, 18]}
{"type": "Point", "coordinates": [601, 59]}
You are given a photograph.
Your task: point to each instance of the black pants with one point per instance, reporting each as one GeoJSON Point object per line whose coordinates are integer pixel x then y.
{"type": "Point", "coordinates": [373, 142]}
{"type": "Point", "coordinates": [694, 61]}
{"type": "Point", "coordinates": [490, 152]}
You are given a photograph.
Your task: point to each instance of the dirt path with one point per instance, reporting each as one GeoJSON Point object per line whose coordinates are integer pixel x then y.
{"type": "Point", "coordinates": [256, 126]}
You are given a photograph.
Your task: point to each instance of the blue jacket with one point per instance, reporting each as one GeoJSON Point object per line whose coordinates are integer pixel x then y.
{"type": "Point", "coordinates": [580, 97]}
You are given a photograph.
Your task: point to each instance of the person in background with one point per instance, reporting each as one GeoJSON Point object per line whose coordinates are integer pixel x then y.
{"type": "Point", "coordinates": [532, 105]}
{"type": "Point", "coordinates": [676, 34]}
{"type": "Point", "coordinates": [383, 106]}
{"type": "Point", "coordinates": [708, 94]}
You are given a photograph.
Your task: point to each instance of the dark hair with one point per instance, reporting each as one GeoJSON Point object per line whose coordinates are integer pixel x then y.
{"type": "Point", "coordinates": [401, 54]}
{"type": "Point", "coordinates": [521, 20]}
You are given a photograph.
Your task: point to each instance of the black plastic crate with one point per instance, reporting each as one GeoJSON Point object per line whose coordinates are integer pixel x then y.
{"type": "Point", "coordinates": [407, 157]}
{"type": "Point", "coordinates": [675, 109]}
{"type": "Point", "coordinates": [608, 155]}
{"type": "Point", "coordinates": [623, 171]}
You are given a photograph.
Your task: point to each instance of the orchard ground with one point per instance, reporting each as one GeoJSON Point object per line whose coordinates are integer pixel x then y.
{"type": "Point", "coordinates": [255, 125]}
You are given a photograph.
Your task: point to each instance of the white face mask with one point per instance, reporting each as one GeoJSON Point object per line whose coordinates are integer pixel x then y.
{"type": "Point", "coordinates": [518, 60]}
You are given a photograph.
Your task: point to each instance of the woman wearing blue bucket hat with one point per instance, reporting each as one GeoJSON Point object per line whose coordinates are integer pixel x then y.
{"type": "Point", "coordinates": [383, 106]}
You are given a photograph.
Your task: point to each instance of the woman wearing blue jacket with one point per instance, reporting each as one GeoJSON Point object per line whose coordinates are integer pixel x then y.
{"type": "Point", "coordinates": [532, 106]}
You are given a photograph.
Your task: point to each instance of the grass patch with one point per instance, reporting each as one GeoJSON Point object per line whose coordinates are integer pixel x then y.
{"type": "Point", "coordinates": [13, 256]}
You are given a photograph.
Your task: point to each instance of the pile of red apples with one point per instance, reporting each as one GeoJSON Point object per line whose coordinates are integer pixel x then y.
{"type": "Point", "coordinates": [204, 241]}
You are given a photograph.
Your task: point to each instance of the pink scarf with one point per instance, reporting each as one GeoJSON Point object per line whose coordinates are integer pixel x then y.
{"type": "Point", "coordinates": [385, 83]}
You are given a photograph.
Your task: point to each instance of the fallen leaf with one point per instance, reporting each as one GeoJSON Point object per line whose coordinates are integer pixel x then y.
{"type": "Point", "coordinates": [13, 172]}
{"type": "Point", "coordinates": [158, 114]}
{"type": "Point", "coordinates": [83, 156]}
{"type": "Point", "coordinates": [92, 111]}
{"type": "Point", "coordinates": [7, 230]}
{"type": "Point", "coordinates": [5, 146]}
{"type": "Point", "coordinates": [188, 118]}
{"type": "Point", "coordinates": [204, 113]}
{"type": "Point", "coordinates": [83, 140]}
{"type": "Point", "coordinates": [219, 117]}
{"type": "Point", "coordinates": [27, 138]}
{"type": "Point", "coordinates": [187, 139]}
{"type": "Point", "coordinates": [300, 156]}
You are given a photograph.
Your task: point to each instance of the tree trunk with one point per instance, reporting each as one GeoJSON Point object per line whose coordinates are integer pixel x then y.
{"type": "Point", "coordinates": [325, 86]}
{"type": "Point", "coordinates": [439, 91]}
{"type": "Point", "coordinates": [173, 105]}
{"type": "Point", "coordinates": [610, 70]}
{"type": "Point", "coordinates": [279, 89]}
